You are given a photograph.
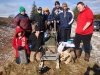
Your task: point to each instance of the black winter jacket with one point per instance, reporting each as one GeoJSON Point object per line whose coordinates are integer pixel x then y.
{"type": "Point", "coordinates": [38, 18]}
{"type": "Point", "coordinates": [35, 42]}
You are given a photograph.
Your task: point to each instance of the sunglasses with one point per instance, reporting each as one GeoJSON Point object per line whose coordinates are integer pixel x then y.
{"type": "Point", "coordinates": [39, 9]}
{"type": "Point", "coordinates": [46, 10]}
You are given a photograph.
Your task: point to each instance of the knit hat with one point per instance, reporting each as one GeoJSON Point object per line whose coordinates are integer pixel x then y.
{"type": "Point", "coordinates": [39, 8]}
{"type": "Point", "coordinates": [46, 9]}
{"type": "Point", "coordinates": [64, 4]}
{"type": "Point", "coordinates": [22, 9]}
{"type": "Point", "coordinates": [57, 2]}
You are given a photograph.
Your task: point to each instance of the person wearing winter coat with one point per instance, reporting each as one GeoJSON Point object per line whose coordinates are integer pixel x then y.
{"type": "Point", "coordinates": [35, 44]}
{"type": "Point", "coordinates": [56, 10]}
{"type": "Point", "coordinates": [84, 30]}
{"type": "Point", "coordinates": [20, 42]}
{"type": "Point", "coordinates": [66, 19]}
{"type": "Point", "coordinates": [46, 14]}
{"type": "Point", "coordinates": [47, 19]}
{"type": "Point", "coordinates": [54, 16]}
{"type": "Point", "coordinates": [22, 20]}
{"type": "Point", "coordinates": [38, 19]}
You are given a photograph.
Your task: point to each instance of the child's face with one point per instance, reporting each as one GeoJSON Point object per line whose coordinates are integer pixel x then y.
{"type": "Point", "coordinates": [19, 34]}
{"type": "Point", "coordinates": [38, 32]}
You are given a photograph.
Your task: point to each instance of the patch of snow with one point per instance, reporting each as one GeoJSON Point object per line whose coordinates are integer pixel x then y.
{"type": "Point", "coordinates": [95, 41]}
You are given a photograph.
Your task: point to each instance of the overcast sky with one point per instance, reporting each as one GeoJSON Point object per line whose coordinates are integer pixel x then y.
{"type": "Point", "coordinates": [8, 7]}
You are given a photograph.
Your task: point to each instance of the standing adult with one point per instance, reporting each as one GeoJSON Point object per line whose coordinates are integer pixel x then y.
{"type": "Point", "coordinates": [47, 19]}
{"type": "Point", "coordinates": [56, 10]}
{"type": "Point", "coordinates": [22, 20]}
{"type": "Point", "coordinates": [66, 18]}
{"type": "Point", "coordinates": [84, 30]}
{"type": "Point", "coordinates": [38, 19]}
{"type": "Point", "coordinates": [46, 14]}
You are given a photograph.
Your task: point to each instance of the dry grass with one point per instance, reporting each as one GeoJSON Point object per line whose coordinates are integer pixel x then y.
{"type": "Point", "coordinates": [4, 21]}
{"type": "Point", "coordinates": [80, 67]}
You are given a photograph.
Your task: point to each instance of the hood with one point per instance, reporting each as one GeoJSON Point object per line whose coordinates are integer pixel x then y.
{"type": "Point", "coordinates": [19, 30]}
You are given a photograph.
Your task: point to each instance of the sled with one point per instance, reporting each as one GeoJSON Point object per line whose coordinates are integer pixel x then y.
{"type": "Point", "coordinates": [50, 48]}
{"type": "Point", "coordinates": [22, 56]}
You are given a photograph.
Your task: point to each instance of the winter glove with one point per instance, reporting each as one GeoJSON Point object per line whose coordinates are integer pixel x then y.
{"type": "Point", "coordinates": [48, 23]}
{"type": "Point", "coordinates": [20, 48]}
{"type": "Point", "coordinates": [30, 46]}
{"type": "Point", "coordinates": [57, 21]}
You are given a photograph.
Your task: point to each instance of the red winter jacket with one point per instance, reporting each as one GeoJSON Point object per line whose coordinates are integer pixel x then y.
{"type": "Point", "coordinates": [20, 42]}
{"type": "Point", "coordinates": [23, 21]}
{"type": "Point", "coordinates": [85, 16]}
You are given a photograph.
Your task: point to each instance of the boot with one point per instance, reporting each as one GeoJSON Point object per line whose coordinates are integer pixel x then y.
{"type": "Point", "coordinates": [87, 56]}
{"type": "Point", "coordinates": [78, 53]}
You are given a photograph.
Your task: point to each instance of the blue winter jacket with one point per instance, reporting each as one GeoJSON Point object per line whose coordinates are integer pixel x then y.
{"type": "Point", "coordinates": [55, 12]}
{"type": "Point", "coordinates": [65, 21]}
{"type": "Point", "coordinates": [47, 17]}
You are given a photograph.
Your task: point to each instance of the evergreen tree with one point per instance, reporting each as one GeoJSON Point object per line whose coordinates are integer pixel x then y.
{"type": "Point", "coordinates": [76, 12]}
{"type": "Point", "coordinates": [34, 9]}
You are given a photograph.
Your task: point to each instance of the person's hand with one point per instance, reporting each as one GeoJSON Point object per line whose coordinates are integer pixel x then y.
{"type": "Point", "coordinates": [30, 46]}
{"type": "Point", "coordinates": [48, 23]}
{"type": "Point", "coordinates": [83, 29]}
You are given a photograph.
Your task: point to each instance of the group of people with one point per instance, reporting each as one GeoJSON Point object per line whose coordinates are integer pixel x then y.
{"type": "Point", "coordinates": [32, 41]}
